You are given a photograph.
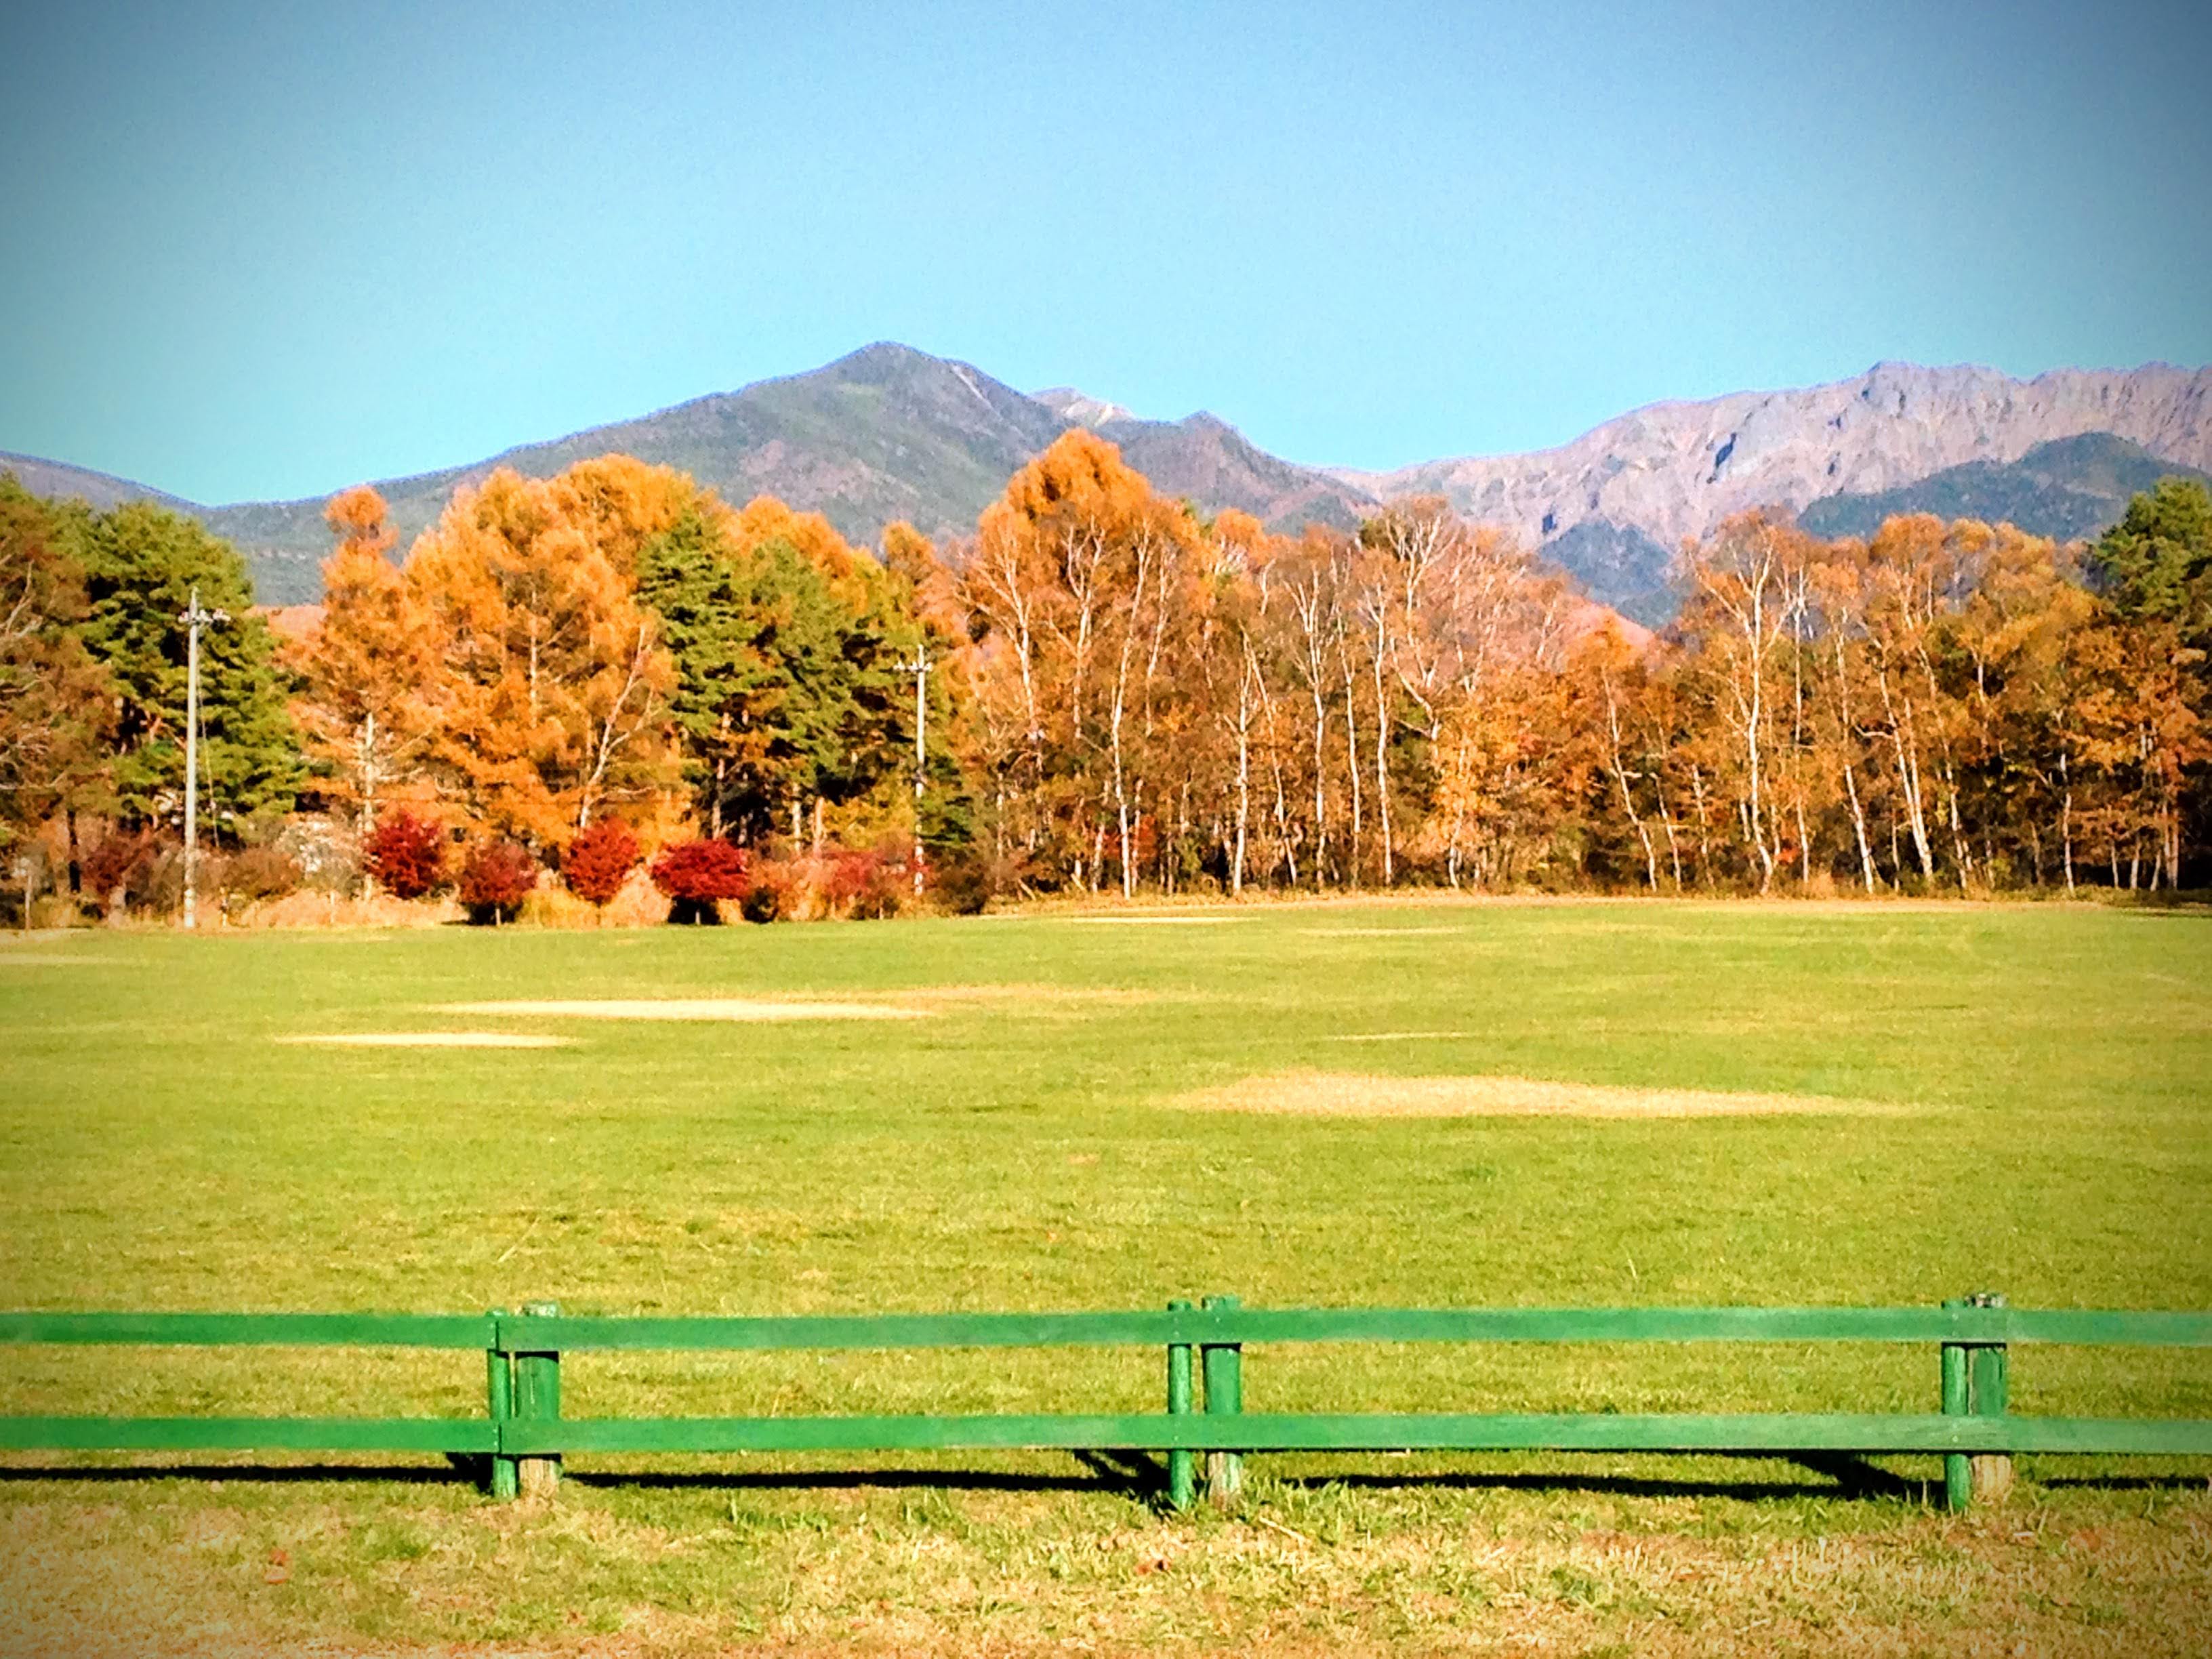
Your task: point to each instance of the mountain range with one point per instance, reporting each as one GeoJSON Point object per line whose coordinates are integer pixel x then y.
{"type": "Point", "coordinates": [891, 433]}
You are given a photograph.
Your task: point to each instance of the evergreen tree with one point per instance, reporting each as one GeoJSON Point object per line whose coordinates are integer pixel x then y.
{"type": "Point", "coordinates": [2157, 560]}
{"type": "Point", "coordinates": [687, 576]}
{"type": "Point", "coordinates": [789, 688]}
{"type": "Point", "coordinates": [142, 565]}
{"type": "Point", "coordinates": [834, 679]}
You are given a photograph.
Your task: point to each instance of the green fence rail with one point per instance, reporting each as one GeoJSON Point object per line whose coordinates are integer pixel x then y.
{"type": "Point", "coordinates": [523, 1434]}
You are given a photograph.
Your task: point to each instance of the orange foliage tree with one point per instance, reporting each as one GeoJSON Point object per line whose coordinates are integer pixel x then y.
{"type": "Point", "coordinates": [550, 703]}
{"type": "Point", "coordinates": [368, 666]}
{"type": "Point", "coordinates": [1121, 692]}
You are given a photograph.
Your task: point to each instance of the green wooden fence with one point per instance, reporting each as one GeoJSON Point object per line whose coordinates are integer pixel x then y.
{"type": "Point", "coordinates": [524, 1435]}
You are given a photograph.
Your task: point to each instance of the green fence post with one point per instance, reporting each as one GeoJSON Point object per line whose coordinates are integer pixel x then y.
{"type": "Point", "coordinates": [499, 1401]}
{"type": "Point", "coordinates": [1222, 1366]}
{"type": "Point", "coordinates": [1957, 1491]}
{"type": "Point", "coordinates": [1182, 1467]}
{"type": "Point", "coordinates": [538, 1399]}
{"type": "Point", "coordinates": [1989, 1388]}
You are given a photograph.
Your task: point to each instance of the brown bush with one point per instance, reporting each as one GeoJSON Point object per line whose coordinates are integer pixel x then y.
{"type": "Point", "coordinates": [773, 891]}
{"type": "Point", "coordinates": [106, 865]}
{"type": "Point", "coordinates": [257, 873]}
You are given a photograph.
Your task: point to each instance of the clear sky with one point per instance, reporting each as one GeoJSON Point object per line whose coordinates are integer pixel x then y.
{"type": "Point", "coordinates": [257, 251]}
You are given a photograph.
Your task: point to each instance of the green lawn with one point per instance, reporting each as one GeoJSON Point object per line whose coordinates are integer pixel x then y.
{"type": "Point", "coordinates": [1020, 1148]}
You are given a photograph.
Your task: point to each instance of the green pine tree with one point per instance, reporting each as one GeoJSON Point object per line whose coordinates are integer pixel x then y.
{"type": "Point", "coordinates": [2157, 560]}
{"type": "Point", "coordinates": [141, 563]}
{"type": "Point", "coordinates": [687, 575]}
{"type": "Point", "coordinates": [786, 695]}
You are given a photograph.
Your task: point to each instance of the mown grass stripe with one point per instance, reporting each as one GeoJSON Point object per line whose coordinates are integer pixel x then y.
{"type": "Point", "coordinates": [1777, 1432]}
{"type": "Point", "coordinates": [570, 1334]}
{"type": "Point", "coordinates": [248, 1329]}
{"type": "Point", "coordinates": [393, 1434]}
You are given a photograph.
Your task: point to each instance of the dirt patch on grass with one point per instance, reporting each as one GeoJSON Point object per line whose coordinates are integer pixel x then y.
{"type": "Point", "coordinates": [1023, 996]}
{"type": "Point", "coordinates": [1353, 1094]}
{"type": "Point", "coordinates": [1151, 921]}
{"type": "Point", "coordinates": [1380, 933]}
{"type": "Point", "coordinates": [428, 1039]}
{"type": "Point", "coordinates": [688, 1008]}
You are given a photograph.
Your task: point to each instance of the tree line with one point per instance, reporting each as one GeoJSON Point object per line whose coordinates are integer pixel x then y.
{"type": "Point", "coordinates": [1119, 693]}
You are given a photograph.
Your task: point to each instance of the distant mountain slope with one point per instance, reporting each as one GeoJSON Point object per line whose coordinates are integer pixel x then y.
{"type": "Point", "coordinates": [1204, 458]}
{"type": "Point", "coordinates": [1620, 566]}
{"type": "Point", "coordinates": [2069, 489]}
{"type": "Point", "coordinates": [1655, 476]}
{"type": "Point", "coordinates": [63, 482]}
{"type": "Point", "coordinates": [883, 433]}
{"type": "Point", "coordinates": [891, 433]}
{"type": "Point", "coordinates": [886, 433]}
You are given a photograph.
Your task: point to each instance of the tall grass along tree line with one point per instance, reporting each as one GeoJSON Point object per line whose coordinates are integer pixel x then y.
{"type": "Point", "coordinates": [612, 674]}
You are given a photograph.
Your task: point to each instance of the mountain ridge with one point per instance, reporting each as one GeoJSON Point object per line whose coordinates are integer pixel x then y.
{"type": "Point", "coordinates": [1674, 469]}
{"type": "Point", "coordinates": [889, 432]}
{"type": "Point", "coordinates": [2068, 489]}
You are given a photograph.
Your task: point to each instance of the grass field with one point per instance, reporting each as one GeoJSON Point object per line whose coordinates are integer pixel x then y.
{"type": "Point", "coordinates": [1028, 1140]}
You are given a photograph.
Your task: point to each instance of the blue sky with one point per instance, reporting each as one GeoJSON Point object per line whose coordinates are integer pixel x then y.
{"type": "Point", "coordinates": [264, 251]}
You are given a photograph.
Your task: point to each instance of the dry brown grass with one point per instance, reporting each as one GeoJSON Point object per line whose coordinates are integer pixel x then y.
{"type": "Point", "coordinates": [1291, 1574]}
{"type": "Point", "coordinates": [332, 910]}
{"type": "Point", "coordinates": [1358, 1094]}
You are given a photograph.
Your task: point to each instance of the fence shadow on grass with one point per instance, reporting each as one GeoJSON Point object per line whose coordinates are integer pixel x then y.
{"type": "Point", "coordinates": [1125, 1476]}
{"type": "Point", "coordinates": [1122, 1474]}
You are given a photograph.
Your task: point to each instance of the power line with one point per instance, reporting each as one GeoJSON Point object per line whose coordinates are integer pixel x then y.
{"type": "Point", "coordinates": [194, 618]}
{"type": "Point", "coordinates": [920, 668]}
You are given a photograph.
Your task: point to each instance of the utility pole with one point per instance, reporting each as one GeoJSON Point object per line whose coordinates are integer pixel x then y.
{"type": "Point", "coordinates": [194, 619]}
{"type": "Point", "coordinates": [920, 668]}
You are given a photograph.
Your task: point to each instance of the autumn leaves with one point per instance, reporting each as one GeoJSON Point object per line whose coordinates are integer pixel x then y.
{"type": "Point", "coordinates": [507, 670]}
{"type": "Point", "coordinates": [1129, 695]}
{"type": "Point", "coordinates": [613, 644]}
{"type": "Point", "coordinates": [599, 669]}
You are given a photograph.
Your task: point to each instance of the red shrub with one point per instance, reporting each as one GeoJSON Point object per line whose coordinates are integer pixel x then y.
{"type": "Point", "coordinates": [695, 874]}
{"type": "Point", "coordinates": [841, 876]}
{"type": "Point", "coordinates": [840, 882]}
{"type": "Point", "coordinates": [406, 854]}
{"type": "Point", "coordinates": [598, 861]}
{"type": "Point", "coordinates": [497, 878]}
{"type": "Point", "coordinates": [870, 885]}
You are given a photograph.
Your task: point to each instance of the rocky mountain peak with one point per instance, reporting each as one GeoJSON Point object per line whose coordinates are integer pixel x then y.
{"type": "Point", "coordinates": [1079, 408]}
{"type": "Point", "coordinates": [890, 432]}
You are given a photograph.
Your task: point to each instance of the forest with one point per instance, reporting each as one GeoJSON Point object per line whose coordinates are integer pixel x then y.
{"type": "Point", "coordinates": [612, 675]}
